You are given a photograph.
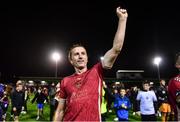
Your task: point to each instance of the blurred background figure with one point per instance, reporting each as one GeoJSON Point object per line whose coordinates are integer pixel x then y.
{"type": "Point", "coordinates": [1, 96]}
{"type": "Point", "coordinates": [40, 99]}
{"type": "Point", "coordinates": [52, 93]}
{"type": "Point", "coordinates": [4, 101]}
{"type": "Point", "coordinates": [17, 99]}
{"type": "Point", "coordinates": [134, 93]}
{"type": "Point", "coordinates": [104, 102]}
{"type": "Point", "coordinates": [26, 98]}
{"type": "Point", "coordinates": [122, 106]}
{"type": "Point", "coordinates": [163, 104]}
{"type": "Point", "coordinates": [147, 103]}
{"type": "Point", "coordinates": [56, 98]}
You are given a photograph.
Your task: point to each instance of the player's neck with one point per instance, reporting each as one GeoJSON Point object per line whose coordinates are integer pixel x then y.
{"type": "Point", "coordinates": [80, 71]}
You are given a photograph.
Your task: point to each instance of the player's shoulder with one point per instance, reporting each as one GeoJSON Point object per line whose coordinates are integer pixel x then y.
{"type": "Point", "coordinates": [67, 78]}
{"type": "Point", "coordinates": [97, 65]}
{"type": "Point", "coordinates": [175, 78]}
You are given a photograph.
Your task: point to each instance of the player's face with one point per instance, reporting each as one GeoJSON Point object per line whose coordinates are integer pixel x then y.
{"type": "Point", "coordinates": [79, 57]}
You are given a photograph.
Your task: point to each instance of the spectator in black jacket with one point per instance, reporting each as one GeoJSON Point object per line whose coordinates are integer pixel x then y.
{"type": "Point", "coordinates": [52, 93]}
{"type": "Point", "coordinates": [134, 94]}
{"type": "Point", "coordinates": [162, 96]}
{"type": "Point", "coordinates": [17, 100]}
{"type": "Point", "coordinates": [40, 98]}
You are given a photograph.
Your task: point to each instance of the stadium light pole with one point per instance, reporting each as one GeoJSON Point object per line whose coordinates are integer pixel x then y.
{"type": "Point", "coordinates": [56, 57]}
{"type": "Point", "coordinates": [157, 61]}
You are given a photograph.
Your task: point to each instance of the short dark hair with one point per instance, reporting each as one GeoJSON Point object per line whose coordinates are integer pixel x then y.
{"type": "Point", "coordinates": [19, 82]}
{"type": "Point", "coordinates": [72, 47]}
{"type": "Point", "coordinates": [146, 82]}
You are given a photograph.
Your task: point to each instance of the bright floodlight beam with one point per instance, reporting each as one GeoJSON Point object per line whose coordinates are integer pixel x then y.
{"type": "Point", "coordinates": [56, 57]}
{"type": "Point", "coordinates": [157, 61]}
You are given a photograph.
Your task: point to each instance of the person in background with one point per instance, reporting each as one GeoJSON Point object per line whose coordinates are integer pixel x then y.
{"type": "Point", "coordinates": [17, 99]}
{"type": "Point", "coordinates": [111, 95]}
{"type": "Point", "coordinates": [174, 90]}
{"type": "Point", "coordinates": [26, 97]}
{"type": "Point", "coordinates": [134, 93]}
{"type": "Point", "coordinates": [122, 106]}
{"type": "Point", "coordinates": [4, 105]}
{"type": "Point", "coordinates": [147, 103]}
{"type": "Point", "coordinates": [163, 105]}
{"type": "Point", "coordinates": [40, 98]}
{"type": "Point", "coordinates": [57, 95]}
{"type": "Point", "coordinates": [52, 93]}
{"type": "Point", "coordinates": [1, 96]}
{"type": "Point", "coordinates": [104, 102]}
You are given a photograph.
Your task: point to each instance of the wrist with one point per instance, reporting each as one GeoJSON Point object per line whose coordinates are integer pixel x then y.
{"type": "Point", "coordinates": [124, 19]}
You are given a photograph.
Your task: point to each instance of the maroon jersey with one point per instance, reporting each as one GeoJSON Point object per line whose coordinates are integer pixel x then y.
{"type": "Point", "coordinates": [173, 88]}
{"type": "Point", "coordinates": [83, 95]}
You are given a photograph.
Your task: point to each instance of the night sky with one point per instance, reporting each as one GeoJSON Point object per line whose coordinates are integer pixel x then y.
{"type": "Point", "coordinates": [31, 31]}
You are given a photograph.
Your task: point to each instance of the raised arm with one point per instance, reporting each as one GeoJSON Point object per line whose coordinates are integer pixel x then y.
{"type": "Point", "coordinates": [111, 55]}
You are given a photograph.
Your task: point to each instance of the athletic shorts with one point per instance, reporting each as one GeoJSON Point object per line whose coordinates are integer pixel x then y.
{"type": "Point", "coordinates": [40, 106]}
{"type": "Point", "coordinates": [165, 107]}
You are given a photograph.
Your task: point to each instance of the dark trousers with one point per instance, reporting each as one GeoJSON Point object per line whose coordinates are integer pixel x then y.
{"type": "Point", "coordinates": [151, 117]}
{"type": "Point", "coordinates": [53, 109]}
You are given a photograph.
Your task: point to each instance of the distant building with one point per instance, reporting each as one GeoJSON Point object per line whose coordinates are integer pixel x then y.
{"type": "Point", "coordinates": [130, 74]}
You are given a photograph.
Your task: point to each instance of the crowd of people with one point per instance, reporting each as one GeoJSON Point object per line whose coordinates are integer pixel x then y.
{"type": "Point", "coordinates": [18, 96]}
{"type": "Point", "coordinates": [148, 101]}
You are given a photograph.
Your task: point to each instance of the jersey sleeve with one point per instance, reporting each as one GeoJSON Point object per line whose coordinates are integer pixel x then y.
{"type": "Point", "coordinates": [99, 69]}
